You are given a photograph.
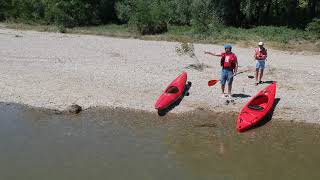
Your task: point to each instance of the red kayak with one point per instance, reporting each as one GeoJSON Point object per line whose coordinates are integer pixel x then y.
{"type": "Point", "coordinates": [172, 93]}
{"type": "Point", "coordinates": [257, 108]}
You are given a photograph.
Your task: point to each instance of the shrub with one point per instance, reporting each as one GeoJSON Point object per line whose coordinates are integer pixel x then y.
{"type": "Point", "coordinates": [185, 48]}
{"type": "Point", "coordinates": [203, 15]}
{"type": "Point", "coordinates": [314, 27]}
{"type": "Point", "coordinates": [31, 10]}
{"type": "Point", "coordinates": [105, 10]}
{"type": "Point", "coordinates": [4, 6]}
{"type": "Point", "coordinates": [149, 16]}
{"type": "Point", "coordinates": [23, 10]}
{"type": "Point", "coordinates": [124, 10]}
{"type": "Point", "coordinates": [71, 13]}
{"type": "Point", "coordinates": [278, 34]}
{"type": "Point", "coordinates": [179, 12]}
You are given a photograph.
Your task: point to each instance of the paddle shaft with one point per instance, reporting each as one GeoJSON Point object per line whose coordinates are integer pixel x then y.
{"type": "Point", "coordinates": [214, 81]}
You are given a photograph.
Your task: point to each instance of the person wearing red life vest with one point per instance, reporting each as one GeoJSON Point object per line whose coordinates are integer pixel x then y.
{"type": "Point", "coordinates": [229, 64]}
{"type": "Point", "coordinates": [260, 56]}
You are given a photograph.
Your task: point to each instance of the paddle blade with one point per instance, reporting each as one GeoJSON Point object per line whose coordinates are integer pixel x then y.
{"type": "Point", "coordinates": [212, 82]}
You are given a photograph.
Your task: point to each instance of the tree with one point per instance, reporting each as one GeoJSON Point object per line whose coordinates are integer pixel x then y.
{"type": "Point", "coordinates": [105, 10]}
{"type": "Point", "coordinates": [203, 14]}
{"type": "Point", "coordinates": [4, 6]}
{"type": "Point", "coordinates": [292, 6]}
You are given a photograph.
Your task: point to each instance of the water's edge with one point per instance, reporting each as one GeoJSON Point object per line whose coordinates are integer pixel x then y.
{"type": "Point", "coordinates": [154, 115]}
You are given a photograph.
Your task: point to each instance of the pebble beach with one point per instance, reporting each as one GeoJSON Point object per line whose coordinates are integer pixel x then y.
{"type": "Point", "coordinates": [54, 71]}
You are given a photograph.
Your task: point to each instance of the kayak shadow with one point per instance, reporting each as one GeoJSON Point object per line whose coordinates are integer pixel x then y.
{"type": "Point", "coordinates": [185, 92]}
{"type": "Point", "coordinates": [269, 115]}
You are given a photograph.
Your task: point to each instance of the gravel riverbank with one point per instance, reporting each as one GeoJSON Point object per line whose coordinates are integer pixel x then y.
{"type": "Point", "coordinates": [52, 70]}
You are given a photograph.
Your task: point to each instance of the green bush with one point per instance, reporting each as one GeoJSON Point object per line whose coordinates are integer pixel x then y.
{"type": "Point", "coordinates": [314, 27]}
{"type": "Point", "coordinates": [278, 34]}
{"type": "Point", "coordinates": [4, 6]}
{"type": "Point", "coordinates": [203, 15]}
{"type": "Point", "coordinates": [124, 10]}
{"type": "Point", "coordinates": [105, 10]}
{"type": "Point", "coordinates": [31, 10]}
{"type": "Point", "coordinates": [171, 11]}
{"type": "Point", "coordinates": [70, 13]}
{"type": "Point", "coordinates": [22, 10]}
{"type": "Point", "coordinates": [149, 16]}
{"type": "Point", "coordinates": [179, 12]}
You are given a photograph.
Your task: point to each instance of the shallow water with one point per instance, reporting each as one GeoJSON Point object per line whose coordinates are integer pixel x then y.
{"type": "Point", "coordinates": [106, 144]}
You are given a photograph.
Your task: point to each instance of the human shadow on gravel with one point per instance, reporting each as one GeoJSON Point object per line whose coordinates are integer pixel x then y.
{"type": "Point", "coordinates": [267, 82]}
{"type": "Point", "coordinates": [268, 116]}
{"type": "Point", "coordinates": [177, 102]}
{"type": "Point", "coordinates": [240, 95]}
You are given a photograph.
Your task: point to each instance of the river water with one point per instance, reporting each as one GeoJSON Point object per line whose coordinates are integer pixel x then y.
{"type": "Point", "coordinates": [118, 144]}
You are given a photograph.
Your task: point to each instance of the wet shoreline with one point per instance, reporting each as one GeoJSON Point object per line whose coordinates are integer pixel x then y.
{"type": "Point", "coordinates": [200, 118]}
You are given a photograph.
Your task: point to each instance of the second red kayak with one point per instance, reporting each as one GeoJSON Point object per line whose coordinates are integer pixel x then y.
{"type": "Point", "coordinates": [172, 93]}
{"type": "Point", "coordinates": [257, 108]}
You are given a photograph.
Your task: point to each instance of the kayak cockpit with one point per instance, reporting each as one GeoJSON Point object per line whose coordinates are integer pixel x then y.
{"type": "Point", "coordinates": [255, 107]}
{"type": "Point", "coordinates": [172, 90]}
{"type": "Point", "coordinates": [259, 103]}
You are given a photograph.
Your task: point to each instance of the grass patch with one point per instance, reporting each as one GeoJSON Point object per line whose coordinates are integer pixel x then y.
{"type": "Point", "coordinates": [105, 30]}
{"type": "Point", "coordinates": [35, 27]}
{"type": "Point", "coordinates": [282, 38]}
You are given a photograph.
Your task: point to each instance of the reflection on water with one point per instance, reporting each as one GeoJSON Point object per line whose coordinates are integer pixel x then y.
{"type": "Point", "coordinates": [115, 144]}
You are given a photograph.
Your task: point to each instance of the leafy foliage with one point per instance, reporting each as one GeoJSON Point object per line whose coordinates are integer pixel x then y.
{"type": "Point", "coordinates": [203, 15]}
{"type": "Point", "coordinates": [154, 16]}
{"type": "Point", "coordinates": [180, 12]}
{"type": "Point", "coordinates": [147, 16]}
{"type": "Point", "coordinates": [314, 27]}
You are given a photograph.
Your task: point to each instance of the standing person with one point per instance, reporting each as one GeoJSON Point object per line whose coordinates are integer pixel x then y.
{"type": "Point", "coordinates": [260, 56]}
{"type": "Point", "coordinates": [229, 64]}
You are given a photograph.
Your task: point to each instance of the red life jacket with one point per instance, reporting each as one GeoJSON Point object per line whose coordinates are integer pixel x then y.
{"type": "Point", "coordinates": [261, 54]}
{"type": "Point", "coordinates": [228, 61]}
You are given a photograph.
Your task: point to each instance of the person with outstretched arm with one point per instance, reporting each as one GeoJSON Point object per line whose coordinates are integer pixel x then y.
{"type": "Point", "coordinates": [229, 64]}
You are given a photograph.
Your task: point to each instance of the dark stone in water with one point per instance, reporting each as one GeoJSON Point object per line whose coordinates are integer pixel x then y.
{"type": "Point", "coordinates": [74, 108]}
